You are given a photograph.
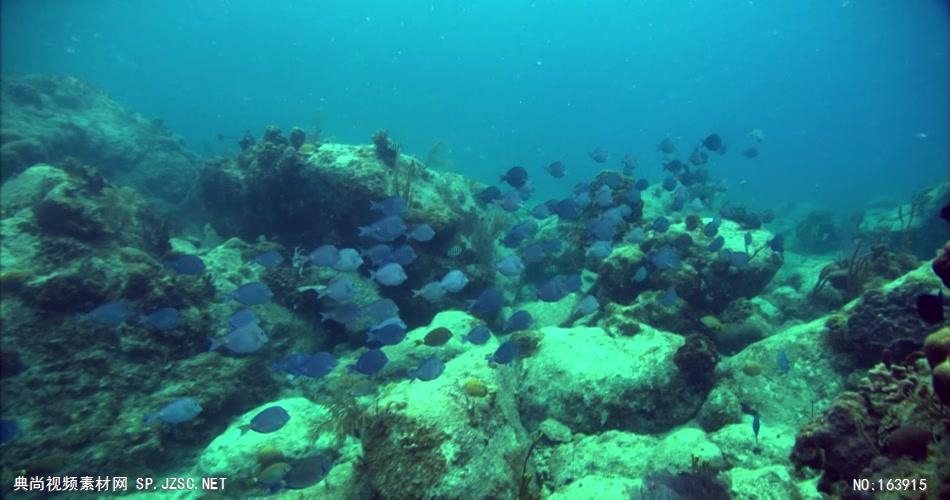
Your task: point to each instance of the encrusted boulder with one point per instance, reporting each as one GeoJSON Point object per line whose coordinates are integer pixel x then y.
{"type": "Point", "coordinates": [434, 439]}
{"type": "Point", "coordinates": [49, 118]}
{"type": "Point", "coordinates": [591, 381]}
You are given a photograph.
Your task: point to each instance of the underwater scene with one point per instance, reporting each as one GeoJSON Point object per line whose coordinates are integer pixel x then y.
{"type": "Point", "coordinates": [616, 249]}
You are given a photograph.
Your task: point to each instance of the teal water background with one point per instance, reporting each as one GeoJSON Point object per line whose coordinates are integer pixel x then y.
{"type": "Point", "coordinates": [852, 95]}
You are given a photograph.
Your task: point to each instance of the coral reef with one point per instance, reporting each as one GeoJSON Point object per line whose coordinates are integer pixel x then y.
{"type": "Point", "coordinates": [883, 318]}
{"type": "Point", "coordinates": [887, 428]}
{"type": "Point", "coordinates": [49, 118]}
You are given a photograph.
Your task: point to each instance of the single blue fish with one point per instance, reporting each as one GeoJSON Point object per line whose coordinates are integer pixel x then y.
{"type": "Point", "coordinates": [669, 298]}
{"type": "Point", "coordinates": [640, 275]}
{"type": "Point", "coordinates": [756, 425]}
{"type": "Point", "coordinates": [603, 198]}
{"type": "Point", "coordinates": [748, 241]}
{"type": "Point", "coordinates": [519, 232]}
{"type": "Point", "coordinates": [666, 258]}
{"type": "Point", "coordinates": [428, 370]}
{"type": "Point", "coordinates": [250, 294]}
{"type": "Point", "coordinates": [8, 430]}
{"type": "Point", "coordinates": [404, 255]}
{"type": "Point", "coordinates": [570, 283]}
{"type": "Point", "coordinates": [243, 316]}
{"type": "Point", "coordinates": [716, 244]}
{"type": "Point", "coordinates": [247, 339]}
{"type": "Point", "coordinates": [580, 187]}
{"type": "Point", "coordinates": [520, 320]}
{"type": "Point", "coordinates": [551, 290]}
{"type": "Point", "coordinates": [381, 309]}
{"type": "Point", "coordinates": [185, 264]}
{"type": "Point", "coordinates": [567, 209]}
{"type": "Point", "coordinates": [696, 204]}
{"type": "Point", "coordinates": [388, 228]}
{"type": "Point", "coordinates": [379, 254]}
{"type": "Point", "coordinates": [711, 228]}
{"type": "Point", "coordinates": [270, 419]}
{"type": "Point", "coordinates": [556, 169]}
{"type": "Point", "coordinates": [308, 471]}
{"type": "Point", "coordinates": [178, 411]}
{"type": "Point", "coordinates": [679, 199]}
{"type": "Point", "coordinates": [777, 244]}
{"type": "Point", "coordinates": [478, 335]}
{"type": "Point", "coordinates": [421, 232]}
{"type": "Point", "coordinates": [488, 195]}
{"type": "Point", "coordinates": [617, 214]}
{"type": "Point", "coordinates": [510, 265]}
{"type": "Point", "coordinates": [389, 332]}
{"type": "Point", "coordinates": [510, 201]}
{"type": "Point", "coordinates": [533, 252]}
{"type": "Point", "coordinates": [166, 318]}
{"type": "Point", "coordinates": [541, 212]}
{"type": "Point", "coordinates": [637, 235]}
{"type": "Point", "coordinates": [505, 354]}
{"type": "Point", "coordinates": [642, 184]}
{"type": "Point", "coordinates": [588, 305]}
{"type": "Point", "coordinates": [781, 359]}
{"type": "Point", "coordinates": [344, 313]}
{"type": "Point", "coordinates": [600, 250]}
{"type": "Point", "coordinates": [308, 365]}
{"type": "Point", "coordinates": [515, 177]}
{"type": "Point", "coordinates": [737, 259]}
{"type": "Point", "coordinates": [392, 205]}
{"type": "Point", "coordinates": [370, 362]}
{"type": "Point", "coordinates": [325, 256]}
{"type": "Point", "coordinates": [340, 290]}
{"type": "Point", "coordinates": [487, 304]}
{"type": "Point", "coordinates": [610, 178]}
{"type": "Point", "coordinates": [669, 184]}
{"type": "Point", "coordinates": [603, 229]}
{"type": "Point", "coordinates": [454, 281]}
{"type": "Point", "coordinates": [112, 313]}
{"type": "Point", "coordinates": [269, 259]}
{"type": "Point", "coordinates": [583, 200]}
{"type": "Point", "coordinates": [349, 261]}
{"type": "Point", "coordinates": [660, 224]}
{"type": "Point", "coordinates": [391, 274]}
{"type": "Point", "coordinates": [633, 195]}
{"type": "Point", "coordinates": [431, 291]}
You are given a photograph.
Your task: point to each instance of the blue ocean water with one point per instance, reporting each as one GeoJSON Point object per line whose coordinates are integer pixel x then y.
{"type": "Point", "coordinates": [375, 327]}
{"type": "Point", "coordinates": [851, 95]}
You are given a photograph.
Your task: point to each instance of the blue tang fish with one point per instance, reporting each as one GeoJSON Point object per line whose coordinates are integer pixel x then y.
{"type": "Point", "coordinates": [269, 420]}
{"type": "Point", "coordinates": [370, 362]}
{"type": "Point", "coordinates": [428, 370]}
{"type": "Point", "coordinates": [166, 318]}
{"type": "Point", "coordinates": [178, 411]}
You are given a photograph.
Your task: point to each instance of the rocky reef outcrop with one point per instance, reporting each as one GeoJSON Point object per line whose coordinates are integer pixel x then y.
{"type": "Point", "coordinates": [47, 119]}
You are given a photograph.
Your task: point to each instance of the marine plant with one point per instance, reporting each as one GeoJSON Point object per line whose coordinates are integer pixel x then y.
{"type": "Point", "coordinates": [917, 202]}
{"type": "Point", "coordinates": [387, 150]}
{"type": "Point", "coordinates": [526, 479]}
{"type": "Point", "coordinates": [852, 272]}
{"type": "Point", "coordinates": [434, 158]}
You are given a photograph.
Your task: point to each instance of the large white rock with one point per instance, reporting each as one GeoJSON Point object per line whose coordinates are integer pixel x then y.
{"type": "Point", "coordinates": [591, 381]}
{"type": "Point", "coordinates": [431, 440]}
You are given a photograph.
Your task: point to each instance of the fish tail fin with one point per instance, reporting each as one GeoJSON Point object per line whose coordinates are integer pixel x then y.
{"type": "Point", "coordinates": [244, 429]}
{"type": "Point", "coordinates": [149, 418]}
{"type": "Point", "coordinates": [215, 344]}
{"type": "Point", "coordinates": [411, 375]}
